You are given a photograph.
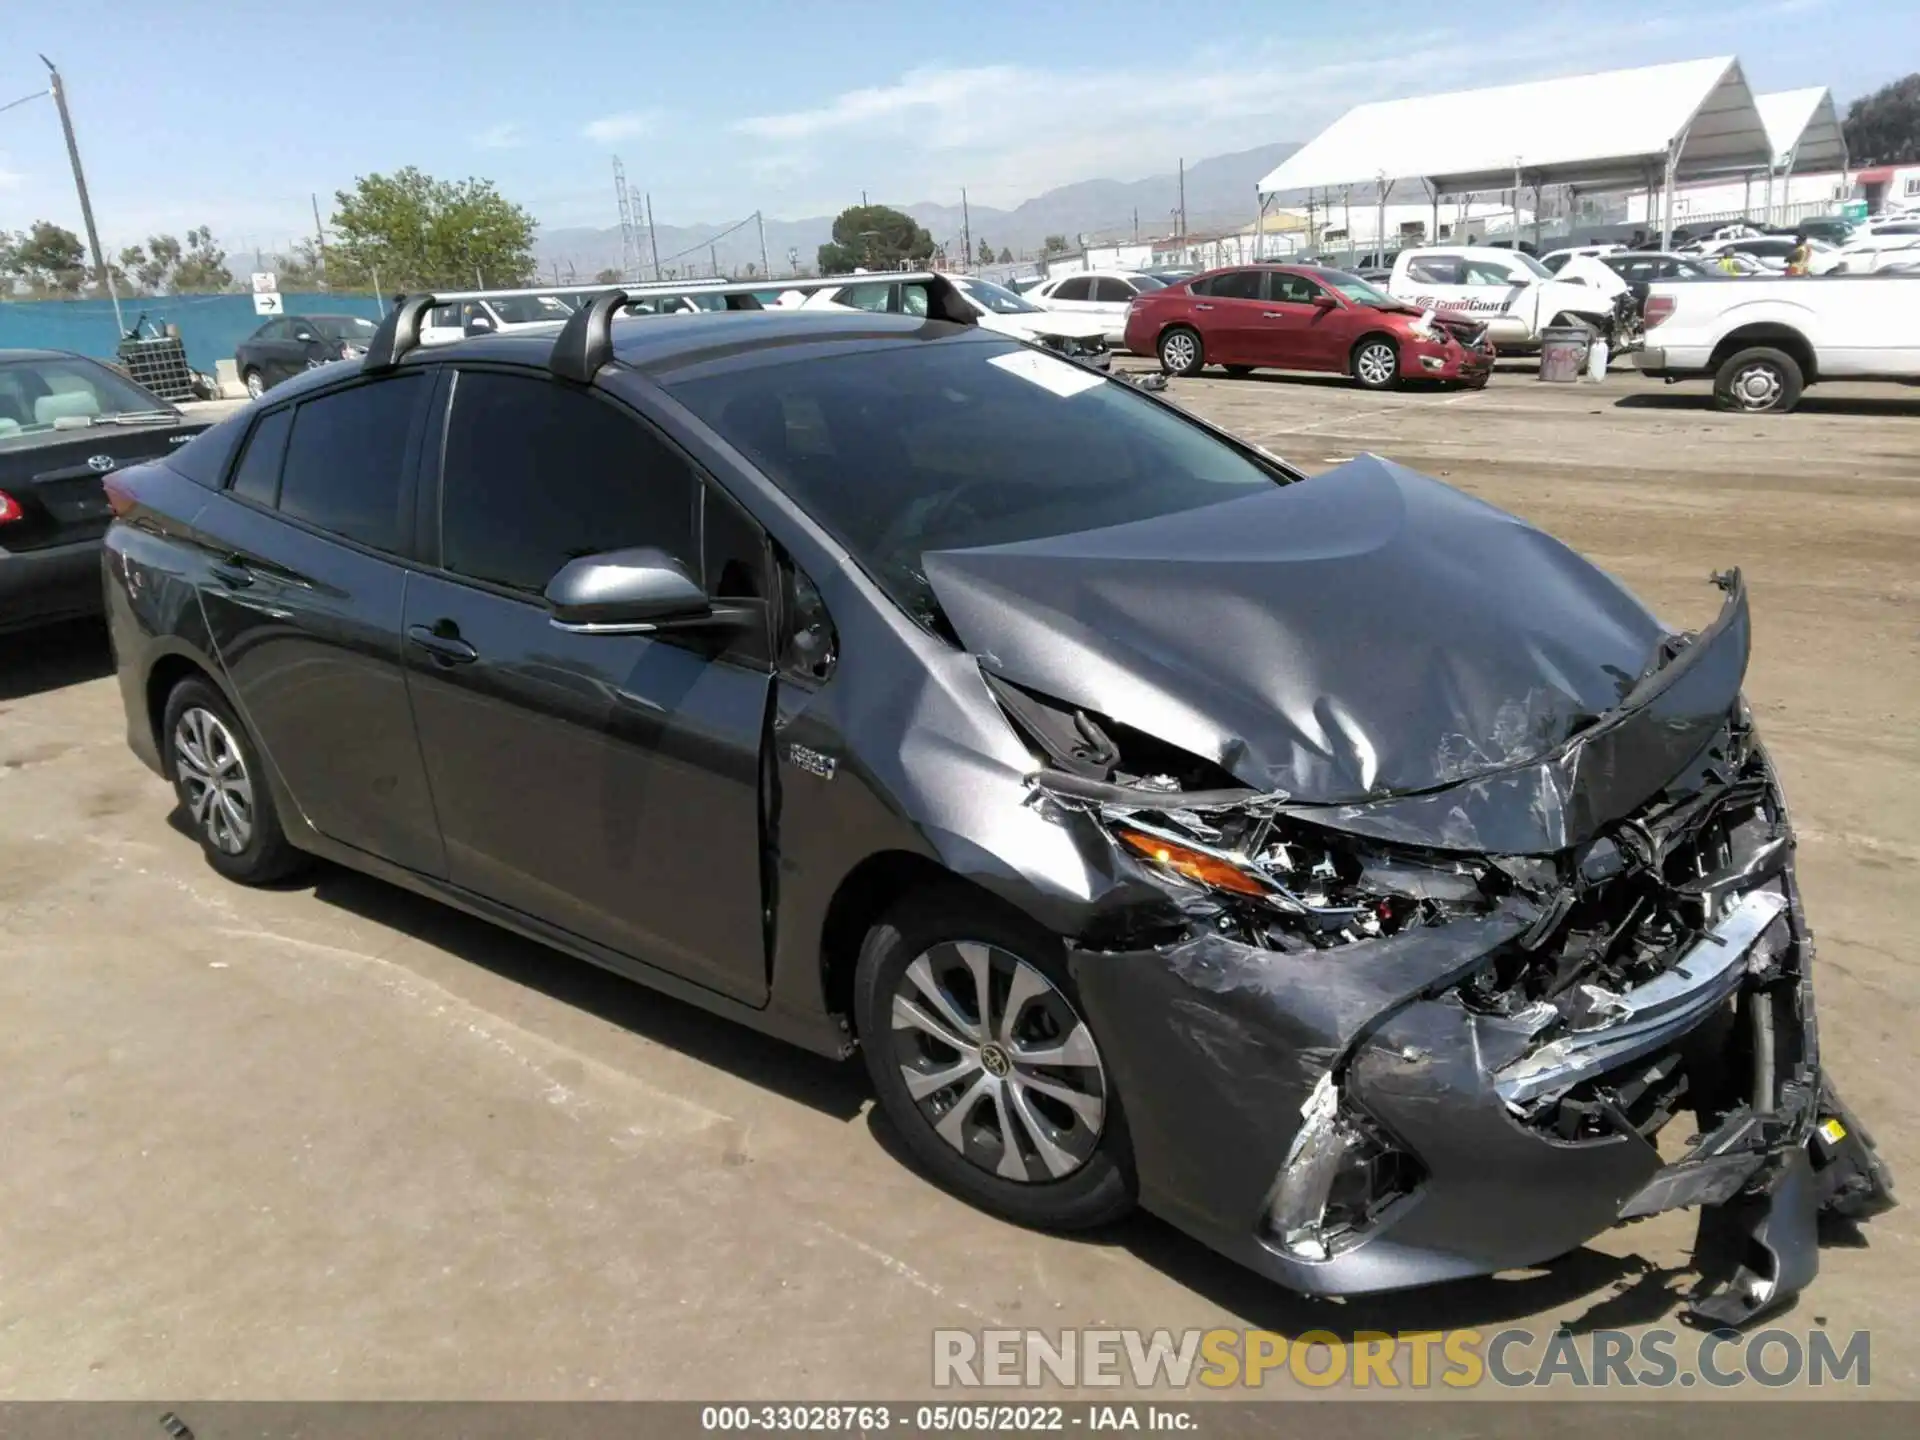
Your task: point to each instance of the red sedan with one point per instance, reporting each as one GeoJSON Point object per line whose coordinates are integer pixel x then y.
{"type": "Point", "coordinates": [1303, 317]}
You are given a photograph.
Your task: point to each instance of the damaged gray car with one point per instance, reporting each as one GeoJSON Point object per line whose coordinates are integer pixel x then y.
{"type": "Point", "coordinates": [1337, 867]}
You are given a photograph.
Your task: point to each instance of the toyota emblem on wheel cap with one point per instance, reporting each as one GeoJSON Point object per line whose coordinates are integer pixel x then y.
{"type": "Point", "coordinates": [102, 463]}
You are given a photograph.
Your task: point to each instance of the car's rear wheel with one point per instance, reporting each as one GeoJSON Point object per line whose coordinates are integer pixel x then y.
{"type": "Point", "coordinates": [1760, 381]}
{"type": "Point", "coordinates": [256, 383]}
{"type": "Point", "coordinates": [216, 772]}
{"type": "Point", "coordinates": [1376, 364]}
{"type": "Point", "coordinates": [985, 1065]}
{"type": "Point", "coordinates": [1181, 352]}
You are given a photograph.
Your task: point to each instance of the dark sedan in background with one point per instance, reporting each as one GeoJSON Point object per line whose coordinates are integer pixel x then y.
{"type": "Point", "coordinates": [289, 345]}
{"type": "Point", "coordinates": [66, 422]}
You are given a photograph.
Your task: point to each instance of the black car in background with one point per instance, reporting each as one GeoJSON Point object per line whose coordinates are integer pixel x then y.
{"type": "Point", "coordinates": [289, 345]}
{"type": "Point", "coordinates": [1339, 867]}
{"type": "Point", "coordinates": [66, 422]}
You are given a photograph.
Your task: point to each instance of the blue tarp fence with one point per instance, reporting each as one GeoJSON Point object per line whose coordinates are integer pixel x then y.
{"type": "Point", "coordinates": [210, 325]}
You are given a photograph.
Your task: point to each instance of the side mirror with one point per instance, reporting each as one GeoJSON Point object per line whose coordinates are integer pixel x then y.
{"type": "Point", "coordinates": [626, 592]}
{"type": "Point", "coordinates": [1324, 301]}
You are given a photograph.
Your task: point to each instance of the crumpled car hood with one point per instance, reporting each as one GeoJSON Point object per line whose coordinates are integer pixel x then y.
{"type": "Point", "coordinates": [1368, 632]}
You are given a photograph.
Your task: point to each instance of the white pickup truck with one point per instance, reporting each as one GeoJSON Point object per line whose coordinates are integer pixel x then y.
{"type": "Point", "coordinates": [1511, 292]}
{"type": "Point", "coordinates": [1764, 340]}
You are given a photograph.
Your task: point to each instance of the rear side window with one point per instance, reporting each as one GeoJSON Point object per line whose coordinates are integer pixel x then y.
{"type": "Point", "coordinates": [1435, 270]}
{"type": "Point", "coordinates": [346, 460]}
{"type": "Point", "coordinates": [1075, 289]}
{"type": "Point", "coordinates": [537, 474]}
{"type": "Point", "coordinates": [205, 458]}
{"type": "Point", "coordinates": [1107, 288]}
{"type": "Point", "coordinates": [258, 476]}
{"type": "Point", "coordinates": [1236, 285]}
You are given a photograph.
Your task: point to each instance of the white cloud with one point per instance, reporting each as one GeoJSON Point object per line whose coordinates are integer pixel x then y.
{"type": "Point", "coordinates": [1010, 131]}
{"type": "Point", "coordinates": [504, 136]}
{"type": "Point", "coordinates": [624, 126]}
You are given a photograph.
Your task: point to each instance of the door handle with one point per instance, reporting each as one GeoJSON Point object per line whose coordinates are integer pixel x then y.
{"type": "Point", "coordinates": [447, 649]}
{"type": "Point", "coordinates": [1203, 307]}
{"type": "Point", "coordinates": [1273, 314]}
{"type": "Point", "coordinates": [232, 571]}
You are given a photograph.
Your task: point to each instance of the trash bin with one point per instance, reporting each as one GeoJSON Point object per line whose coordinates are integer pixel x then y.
{"type": "Point", "coordinates": [1563, 352]}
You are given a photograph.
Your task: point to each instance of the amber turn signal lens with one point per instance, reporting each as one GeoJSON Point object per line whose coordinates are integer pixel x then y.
{"type": "Point", "coordinates": [1196, 865]}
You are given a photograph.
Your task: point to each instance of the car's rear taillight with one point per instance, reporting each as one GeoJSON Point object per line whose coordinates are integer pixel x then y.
{"type": "Point", "coordinates": [1659, 307]}
{"type": "Point", "coordinates": [10, 510]}
{"type": "Point", "coordinates": [120, 497]}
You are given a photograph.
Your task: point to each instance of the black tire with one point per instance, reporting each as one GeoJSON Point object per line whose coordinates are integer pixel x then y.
{"type": "Point", "coordinates": [1189, 353]}
{"type": "Point", "coordinates": [1368, 370]}
{"type": "Point", "coordinates": [1238, 372]}
{"type": "Point", "coordinates": [924, 925]}
{"type": "Point", "coordinates": [255, 382]}
{"type": "Point", "coordinates": [1759, 381]}
{"type": "Point", "coordinates": [189, 745]}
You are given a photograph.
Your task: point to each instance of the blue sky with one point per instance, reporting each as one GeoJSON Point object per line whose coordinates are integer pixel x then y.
{"type": "Point", "coordinates": [231, 115]}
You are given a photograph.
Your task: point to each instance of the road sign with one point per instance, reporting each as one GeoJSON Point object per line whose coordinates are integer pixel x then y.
{"type": "Point", "coordinates": [265, 282]}
{"type": "Point", "coordinates": [267, 302]}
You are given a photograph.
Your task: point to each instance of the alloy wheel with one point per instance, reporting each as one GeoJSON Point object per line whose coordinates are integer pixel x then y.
{"type": "Point", "coordinates": [1757, 387]}
{"type": "Point", "coordinates": [1375, 364]}
{"type": "Point", "coordinates": [998, 1061]}
{"type": "Point", "coordinates": [256, 387]}
{"type": "Point", "coordinates": [1179, 351]}
{"type": "Point", "coordinates": [213, 780]}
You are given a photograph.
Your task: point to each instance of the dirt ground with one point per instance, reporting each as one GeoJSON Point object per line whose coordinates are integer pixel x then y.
{"type": "Point", "coordinates": [333, 1141]}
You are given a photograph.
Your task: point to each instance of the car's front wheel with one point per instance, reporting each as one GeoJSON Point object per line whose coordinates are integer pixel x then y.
{"type": "Point", "coordinates": [985, 1065]}
{"type": "Point", "coordinates": [216, 772]}
{"type": "Point", "coordinates": [1376, 364]}
{"type": "Point", "coordinates": [256, 384]}
{"type": "Point", "coordinates": [1181, 352]}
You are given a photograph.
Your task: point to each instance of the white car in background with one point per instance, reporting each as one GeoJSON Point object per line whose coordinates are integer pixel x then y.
{"type": "Point", "coordinates": [1516, 296]}
{"type": "Point", "coordinates": [1080, 337]}
{"type": "Point", "coordinates": [496, 315]}
{"type": "Point", "coordinates": [1105, 294]}
{"type": "Point", "coordinates": [1889, 244]}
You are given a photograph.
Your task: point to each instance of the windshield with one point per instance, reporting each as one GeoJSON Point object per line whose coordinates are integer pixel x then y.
{"type": "Point", "coordinates": [963, 442]}
{"type": "Point", "coordinates": [344, 327]}
{"type": "Point", "coordinates": [996, 298]}
{"type": "Point", "coordinates": [38, 397]}
{"type": "Point", "coordinates": [528, 309]}
{"type": "Point", "coordinates": [1356, 289]}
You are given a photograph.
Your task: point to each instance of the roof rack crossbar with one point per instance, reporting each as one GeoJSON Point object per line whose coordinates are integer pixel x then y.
{"type": "Point", "coordinates": [585, 342]}
{"type": "Point", "coordinates": [398, 333]}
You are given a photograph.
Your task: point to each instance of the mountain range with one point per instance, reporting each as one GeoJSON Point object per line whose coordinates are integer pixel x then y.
{"type": "Point", "coordinates": [1219, 196]}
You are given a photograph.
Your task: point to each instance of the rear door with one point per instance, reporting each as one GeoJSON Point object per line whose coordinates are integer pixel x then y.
{"type": "Point", "coordinates": [1111, 296]}
{"type": "Point", "coordinates": [1231, 319]}
{"type": "Point", "coordinates": [607, 784]}
{"type": "Point", "coordinates": [303, 584]}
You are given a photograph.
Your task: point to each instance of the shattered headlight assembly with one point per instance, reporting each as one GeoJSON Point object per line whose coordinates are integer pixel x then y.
{"type": "Point", "coordinates": [1297, 887]}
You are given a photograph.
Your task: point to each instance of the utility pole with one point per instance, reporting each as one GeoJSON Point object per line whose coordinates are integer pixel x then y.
{"type": "Point", "coordinates": [629, 242]}
{"type": "Point", "coordinates": [713, 259]}
{"type": "Point", "coordinates": [761, 222]}
{"type": "Point", "coordinates": [966, 229]}
{"type": "Point", "coordinates": [319, 240]}
{"type": "Point", "coordinates": [1136, 224]}
{"type": "Point", "coordinates": [80, 185]}
{"type": "Point", "coordinates": [653, 241]}
{"type": "Point", "coordinates": [1183, 197]}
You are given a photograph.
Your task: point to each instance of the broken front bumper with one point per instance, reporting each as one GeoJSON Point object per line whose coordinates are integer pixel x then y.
{"type": "Point", "coordinates": [1342, 1122]}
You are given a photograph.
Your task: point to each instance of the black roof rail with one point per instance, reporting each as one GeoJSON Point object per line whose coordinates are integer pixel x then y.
{"type": "Point", "coordinates": [586, 340]}
{"type": "Point", "coordinates": [398, 333]}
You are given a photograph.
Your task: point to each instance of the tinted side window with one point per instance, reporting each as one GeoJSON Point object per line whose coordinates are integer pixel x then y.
{"type": "Point", "coordinates": [1107, 288]}
{"type": "Point", "coordinates": [1237, 285]}
{"type": "Point", "coordinates": [1294, 289]}
{"type": "Point", "coordinates": [537, 474]}
{"type": "Point", "coordinates": [1435, 270]}
{"type": "Point", "coordinates": [258, 476]}
{"type": "Point", "coordinates": [346, 459]}
{"type": "Point", "coordinates": [1075, 289]}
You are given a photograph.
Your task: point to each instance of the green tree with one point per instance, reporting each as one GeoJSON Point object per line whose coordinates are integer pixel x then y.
{"type": "Point", "coordinates": [876, 237]}
{"type": "Point", "coordinates": [1884, 128]}
{"type": "Point", "coordinates": [48, 258]}
{"type": "Point", "coordinates": [303, 269]}
{"type": "Point", "coordinates": [983, 253]}
{"type": "Point", "coordinates": [164, 264]}
{"type": "Point", "coordinates": [1055, 245]}
{"type": "Point", "coordinates": [1006, 256]}
{"type": "Point", "coordinates": [415, 231]}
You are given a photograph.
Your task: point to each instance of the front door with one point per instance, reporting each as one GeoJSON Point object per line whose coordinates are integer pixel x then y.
{"type": "Point", "coordinates": [1297, 333]}
{"type": "Point", "coordinates": [607, 784]}
{"type": "Point", "coordinates": [304, 603]}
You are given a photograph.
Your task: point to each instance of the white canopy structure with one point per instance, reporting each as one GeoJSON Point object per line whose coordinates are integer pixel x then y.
{"type": "Point", "coordinates": [1621, 129]}
{"type": "Point", "coordinates": [1803, 130]}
